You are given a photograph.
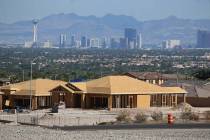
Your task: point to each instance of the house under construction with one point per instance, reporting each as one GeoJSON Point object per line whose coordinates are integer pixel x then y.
{"type": "Point", "coordinates": [106, 92]}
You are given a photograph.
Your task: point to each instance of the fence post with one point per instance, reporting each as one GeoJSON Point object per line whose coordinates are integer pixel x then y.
{"type": "Point", "coordinates": [16, 118]}
{"type": "Point", "coordinates": [37, 118]}
{"type": "Point", "coordinates": [53, 120]}
{"type": "Point", "coordinates": [78, 121]}
{"type": "Point", "coordinates": [64, 120]}
{"type": "Point", "coordinates": [59, 120]}
{"type": "Point", "coordinates": [99, 120]}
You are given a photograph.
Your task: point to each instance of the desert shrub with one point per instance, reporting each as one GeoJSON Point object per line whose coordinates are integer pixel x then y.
{"type": "Point", "coordinates": [189, 115]}
{"type": "Point", "coordinates": [184, 107]}
{"type": "Point", "coordinates": [140, 117]}
{"type": "Point", "coordinates": [157, 116]}
{"type": "Point", "coordinates": [185, 115]}
{"type": "Point", "coordinates": [194, 116]}
{"type": "Point", "coordinates": [207, 115]}
{"type": "Point", "coordinates": [123, 116]}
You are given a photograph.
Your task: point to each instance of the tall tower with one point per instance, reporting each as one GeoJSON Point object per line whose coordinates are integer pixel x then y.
{"type": "Point", "coordinates": [35, 22]}
{"type": "Point", "coordinates": [73, 42]}
{"type": "Point", "coordinates": [83, 42]}
{"type": "Point", "coordinates": [139, 41]}
{"type": "Point", "coordinates": [131, 37]}
{"type": "Point", "coordinates": [203, 39]}
{"type": "Point", "coordinates": [62, 41]}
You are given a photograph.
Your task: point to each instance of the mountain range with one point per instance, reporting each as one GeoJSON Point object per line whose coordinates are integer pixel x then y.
{"type": "Point", "coordinates": [153, 31]}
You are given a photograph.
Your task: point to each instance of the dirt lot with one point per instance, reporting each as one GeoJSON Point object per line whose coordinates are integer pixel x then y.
{"type": "Point", "coordinates": [89, 117]}
{"type": "Point", "coordinates": [73, 117]}
{"type": "Point", "coordinates": [69, 117]}
{"type": "Point", "coordinates": [13, 132]}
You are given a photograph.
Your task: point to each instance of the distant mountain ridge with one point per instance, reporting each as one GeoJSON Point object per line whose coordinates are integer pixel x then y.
{"type": "Point", "coordinates": [153, 31]}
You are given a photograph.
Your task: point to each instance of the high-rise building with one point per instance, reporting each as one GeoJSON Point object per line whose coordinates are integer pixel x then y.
{"type": "Point", "coordinates": [88, 43]}
{"type": "Point", "coordinates": [123, 43]}
{"type": "Point", "coordinates": [28, 44]}
{"type": "Point", "coordinates": [77, 44]}
{"type": "Point", "coordinates": [203, 39]}
{"type": "Point", "coordinates": [170, 44]}
{"type": "Point", "coordinates": [94, 43]}
{"type": "Point", "coordinates": [104, 42]}
{"type": "Point", "coordinates": [62, 41]}
{"type": "Point", "coordinates": [73, 41]}
{"type": "Point", "coordinates": [114, 42]}
{"type": "Point", "coordinates": [139, 41]}
{"type": "Point", "coordinates": [47, 44]}
{"type": "Point", "coordinates": [83, 42]}
{"type": "Point", "coordinates": [131, 37]}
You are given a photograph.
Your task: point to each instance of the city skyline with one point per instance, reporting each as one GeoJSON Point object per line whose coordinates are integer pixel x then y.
{"type": "Point", "coordinates": [103, 28]}
{"type": "Point", "coordinates": [12, 11]}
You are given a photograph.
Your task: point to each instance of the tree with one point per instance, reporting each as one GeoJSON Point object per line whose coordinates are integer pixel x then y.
{"type": "Point", "coordinates": [202, 74]}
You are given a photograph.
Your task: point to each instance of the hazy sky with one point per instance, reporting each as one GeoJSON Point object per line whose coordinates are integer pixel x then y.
{"type": "Point", "coordinates": [15, 10]}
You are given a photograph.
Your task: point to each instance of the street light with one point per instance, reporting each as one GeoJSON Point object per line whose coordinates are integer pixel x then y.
{"type": "Point", "coordinates": [32, 61]}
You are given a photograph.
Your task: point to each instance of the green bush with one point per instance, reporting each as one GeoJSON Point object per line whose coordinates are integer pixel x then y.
{"type": "Point", "coordinates": [157, 116]}
{"type": "Point", "coordinates": [140, 117]}
{"type": "Point", "coordinates": [123, 116]}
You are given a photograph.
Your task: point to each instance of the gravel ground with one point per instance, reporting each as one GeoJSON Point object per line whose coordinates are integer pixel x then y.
{"type": "Point", "coordinates": [13, 132]}
{"type": "Point", "coordinates": [68, 117]}
{"type": "Point", "coordinates": [74, 117]}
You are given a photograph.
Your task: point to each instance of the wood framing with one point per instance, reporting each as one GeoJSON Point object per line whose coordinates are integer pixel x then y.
{"type": "Point", "coordinates": [106, 92]}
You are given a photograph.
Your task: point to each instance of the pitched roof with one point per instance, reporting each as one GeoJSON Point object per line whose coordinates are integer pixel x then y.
{"type": "Point", "coordinates": [207, 86]}
{"type": "Point", "coordinates": [202, 92]}
{"type": "Point", "coordinates": [127, 85]}
{"type": "Point", "coordinates": [146, 75]}
{"type": "Point", "coordinates": [155, 76]}
{"type": "Point", "coordinates": [194, 88]}
{"type": "Point", "coordinates": [175, 76]}
{"type": "Point", "coordinates": [39, 87]}
{"type": "Point", "coordinates": [81, 85]}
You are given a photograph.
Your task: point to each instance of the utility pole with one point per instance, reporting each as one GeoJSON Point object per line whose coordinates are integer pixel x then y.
{"type": "Point", "coordinates": [177, 78]}
{"type": "Point", "coordinates": [32, 61]}
{"type": "Point", "coordinates": [23, 76]}
{"type": "Point", "coordinates": [31, 86]}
